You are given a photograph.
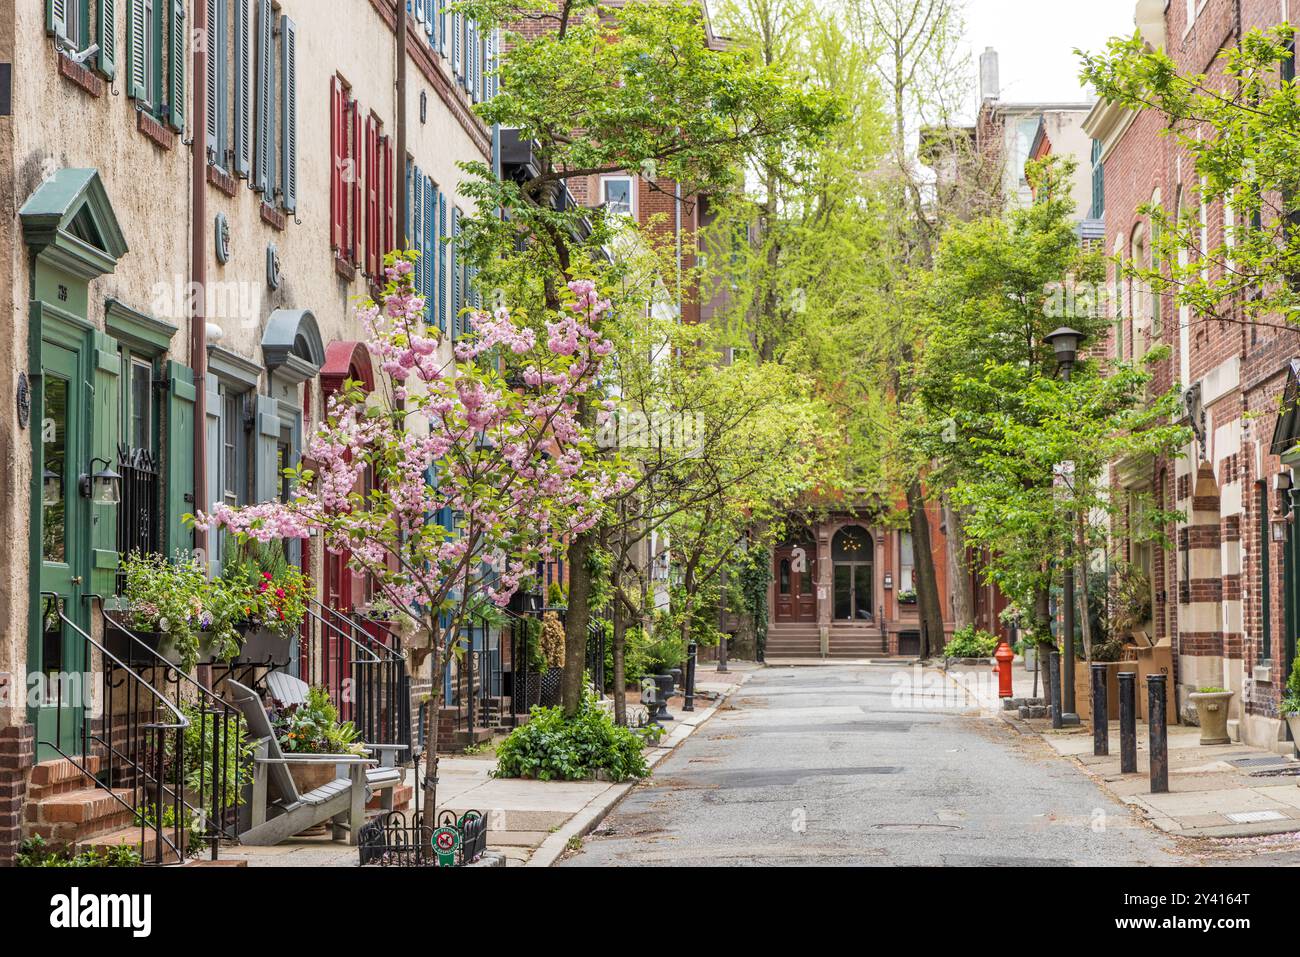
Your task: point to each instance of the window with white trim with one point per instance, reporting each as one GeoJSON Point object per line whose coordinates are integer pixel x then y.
{"type": "Point", "coordinates": [616, 194]}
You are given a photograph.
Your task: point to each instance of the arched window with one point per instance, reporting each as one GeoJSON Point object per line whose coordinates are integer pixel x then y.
{"type": "Point", "coordinates": [852, 552]}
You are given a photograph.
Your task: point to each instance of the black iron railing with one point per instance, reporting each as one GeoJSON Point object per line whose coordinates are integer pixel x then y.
{"type": "Point", "coordinates": [128, 747]}
{"type": "Point", "coordinates": [204, 771]}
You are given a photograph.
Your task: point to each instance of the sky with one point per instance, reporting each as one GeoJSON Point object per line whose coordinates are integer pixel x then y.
{"type": "Point", "coordinates": [1035, 40]}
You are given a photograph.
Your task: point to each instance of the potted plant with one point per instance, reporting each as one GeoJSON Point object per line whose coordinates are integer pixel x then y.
{"type": "Point", "coordinates": [1291, 701]}
{"type": "Point", "coordinates": [166, 609]}
{"type": "Point", "coordinates": [1212, 712]}
{"type": "Point", "coordinates": [313, 727]}
{"type": "Point", "coordinates": [907, 596]}
{"type": "Point", "coordinates": [264, 597]}
{"type": "Point", "coordinates": [545, 659]}
{"type": "Point", "coordinates": [970, 645]}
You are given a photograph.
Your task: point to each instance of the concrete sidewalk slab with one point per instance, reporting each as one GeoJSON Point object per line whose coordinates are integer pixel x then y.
{"type": "Point", "coordinates": [1223, 790]}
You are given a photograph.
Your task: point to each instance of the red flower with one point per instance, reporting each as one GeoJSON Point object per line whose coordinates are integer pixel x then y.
{"type": "Point", "coordinates": [266, 575]}
{"type": "Point", "coordinates": [279, 593]}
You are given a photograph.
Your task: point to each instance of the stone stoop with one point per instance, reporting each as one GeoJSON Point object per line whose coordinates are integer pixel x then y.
{"type": "Point", "coordinates": [67, 806]}
{"type": "Point", "coordinates": [129, 836]}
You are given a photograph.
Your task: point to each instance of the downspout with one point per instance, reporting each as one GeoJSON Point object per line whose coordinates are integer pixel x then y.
{"type": "Point", "coordinates": [403, 241]}
{"type": "Point", "coordinates": [199, 274]}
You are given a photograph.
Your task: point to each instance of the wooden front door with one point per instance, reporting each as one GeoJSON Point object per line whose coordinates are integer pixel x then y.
{"type": "Point", "coordinates": [796, 589]}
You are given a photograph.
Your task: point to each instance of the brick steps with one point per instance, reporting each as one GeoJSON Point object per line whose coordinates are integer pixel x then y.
{"type": "Point", "coordinates": [129, 836]}
{"type": "Point", "coordinates": [66, 805]}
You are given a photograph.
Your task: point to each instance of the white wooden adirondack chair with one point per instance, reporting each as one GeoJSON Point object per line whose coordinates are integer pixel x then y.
{"type": "Point", "coordinates": [278, 811]}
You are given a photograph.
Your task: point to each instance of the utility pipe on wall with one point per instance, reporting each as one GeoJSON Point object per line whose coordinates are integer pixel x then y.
{"type": "Point", "coordinates": [199, 271]}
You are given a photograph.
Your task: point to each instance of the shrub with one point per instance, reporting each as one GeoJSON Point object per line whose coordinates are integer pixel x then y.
{"type": "Point", "coordinates": [1110, 650]}
{"type": "Point", "coordinates": [1291, 700]}
{"type": "Point", "coordinates": [552, 640]}
{"type": "Point", "coordinates": [35, 852]}
{"type": "Point", "coordinates": [549, 747]}
{"type": "Point", "coordinates": [970, 642]}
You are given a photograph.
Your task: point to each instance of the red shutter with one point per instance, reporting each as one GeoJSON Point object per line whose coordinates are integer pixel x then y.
{"type": "Point", "coordinates": [338, 202]}
{"type": "Point", "coordinates": [390, 193]}
{"type": "Point", "coordinates": [372, 197]}
{"type": "Point", "coordinates": [354, 236]}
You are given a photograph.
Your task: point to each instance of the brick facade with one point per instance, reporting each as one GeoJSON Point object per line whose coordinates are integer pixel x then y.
{"type": "Point", "coordinates": [1209, 589]}
{"type": "Point", "coordinates": [17, 755]}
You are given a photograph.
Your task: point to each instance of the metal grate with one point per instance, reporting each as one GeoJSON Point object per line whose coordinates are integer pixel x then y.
{"type": "Point", "coordinates": [137, 525]}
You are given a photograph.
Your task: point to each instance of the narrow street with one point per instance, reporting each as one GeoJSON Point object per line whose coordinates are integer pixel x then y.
{"type": "Point", "coordinates": [830, 765]}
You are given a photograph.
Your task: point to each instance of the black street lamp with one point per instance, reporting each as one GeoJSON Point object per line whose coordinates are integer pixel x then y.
{"type": "Point", "coordinates": [1065, 343]}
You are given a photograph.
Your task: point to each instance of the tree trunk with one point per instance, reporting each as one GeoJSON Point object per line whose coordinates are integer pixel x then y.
{"type": "Point", "coordinates": [436, 669]}
{"type": "Point", "coordinates": [576, 620]}
{"type": "Point", "coordinates": [959, 576]}
{"type": "Point", "coordinates": [1043, 637]}
{"type": "Point", "coordinates": [619, 642]}
{"type": "Point", "coordinates": [1081, 582]}
{"type": "Point", "coordinates": [927, 584]}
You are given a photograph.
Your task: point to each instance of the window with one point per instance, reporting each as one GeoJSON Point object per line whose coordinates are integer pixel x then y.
{"type": "Point", "coordinates": [1098, 209]}
{"type": "Point", "coordinates": [345, 176]}
{"type": "Point", "coordinates": [906, 563]}
{"type": "Point", "coordinates": [616, 194]}
{"type": "Point", "coordinates": [275, 160]}
{"type": "Point", "coordinates": [422, 215]}
{"type": "Point", "coordinates": [68, 20]}
{"type": "Point", "coordinates": [234, 450]}
{"type": "Point", "coordinates": [138, 512]}
{"type": "Point", "coordinates": [156, 46]}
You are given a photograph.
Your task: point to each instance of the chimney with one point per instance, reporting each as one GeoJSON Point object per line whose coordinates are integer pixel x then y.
{"type": "Point", "coordinates": [989, 88]}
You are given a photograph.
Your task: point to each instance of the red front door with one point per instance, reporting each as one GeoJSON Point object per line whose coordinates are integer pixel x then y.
{"type": "Point", "coordinates": [796, 590]}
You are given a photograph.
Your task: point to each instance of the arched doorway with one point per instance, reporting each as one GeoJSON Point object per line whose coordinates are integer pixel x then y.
{"type": "Point", "coordinates": [796, 580]}
{"type": "Point", "coordinates": [852, 558]}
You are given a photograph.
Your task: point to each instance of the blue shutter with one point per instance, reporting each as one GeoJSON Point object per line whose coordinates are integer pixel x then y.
{"type": "Point", "coordinates": [430, 253]}
{"type": "Point", "coordinates": [289, 112]}
{"type": "Point", "coordinates": [456, 290]}
{"type": "Point", "coordinates": [242, 139]}
{"type": "Point", "coordinates": [457, 30]}
{"type": "Point", "coordinates": [442, 262]}
{"type": "Point", "coordinates": [431, 22]}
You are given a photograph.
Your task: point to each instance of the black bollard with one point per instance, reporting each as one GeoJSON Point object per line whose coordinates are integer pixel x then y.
{"type": "Point", "coordinates": [1100, 712]}
{"type": "Point", "coordinates": [692, 650]}
{"type": "Point", "coordinates": [1128, 735]}
{"type": "Point", "coordinates": [1054, 681]}
{"type": "Point", "coordinates": [1157, 741]}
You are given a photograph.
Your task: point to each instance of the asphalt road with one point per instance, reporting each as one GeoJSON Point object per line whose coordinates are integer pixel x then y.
{"type": "Point", "coordinates": [866, 764]}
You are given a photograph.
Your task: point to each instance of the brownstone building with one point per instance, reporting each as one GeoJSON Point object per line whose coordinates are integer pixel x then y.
{"type": "Point", "coordinates": [1223, 596]}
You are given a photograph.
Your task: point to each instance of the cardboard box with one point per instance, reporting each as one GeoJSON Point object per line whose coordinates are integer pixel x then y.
{"type": "Point", "coordinates": [1083, 688]}
{"type": "Point", "coordinates": [1158, 659]}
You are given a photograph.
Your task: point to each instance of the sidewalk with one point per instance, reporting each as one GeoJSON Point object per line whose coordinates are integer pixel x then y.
{"type": "Point", "coordinates": [1228, 790]}
{"type": "Point", "coordinates": [529, 822]}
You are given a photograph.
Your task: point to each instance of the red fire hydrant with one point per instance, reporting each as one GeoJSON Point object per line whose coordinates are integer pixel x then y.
{"type": "Point", "coordinates": [1004, 656]}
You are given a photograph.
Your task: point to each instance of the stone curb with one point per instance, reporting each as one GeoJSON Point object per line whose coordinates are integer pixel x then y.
{"type": "Point", "coordinates": [598, 808]}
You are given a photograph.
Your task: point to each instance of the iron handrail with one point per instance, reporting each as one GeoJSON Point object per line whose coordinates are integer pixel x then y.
{"type": "Point", "coordinates": [374, 659]}
{"type": "Point", "coordinates": [393, 654]}
{"type": "Point", "coordinates": [218, 706]}
{"type": "Point", "coordinates": [158, 726]}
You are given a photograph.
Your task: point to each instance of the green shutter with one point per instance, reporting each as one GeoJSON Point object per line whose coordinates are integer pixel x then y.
{"type": "Point", "coordinates": [176, 66]}
{"type": "Point", "coordinates": [105, 411]}
{"type": "Point", "coordinates": [106, 58]}
{"type": "Point", "coordinates": [243, 37]}
{"type": "Point", "coordinates": [56, 17]}
{"type": "Point", "coordinates": [266, 438]}
{"type": "Point", "coordinates": [136, 50]}
{"type": "Point", "coordinates": [179, 457]}
{"type": "Point", "coordinates": [289, 112]}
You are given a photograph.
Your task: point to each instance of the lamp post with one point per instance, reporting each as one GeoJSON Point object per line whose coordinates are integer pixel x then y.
{"type": "Point", "coordinates": [1065, 343]}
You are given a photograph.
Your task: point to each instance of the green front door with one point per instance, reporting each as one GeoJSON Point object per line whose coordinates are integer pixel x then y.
{"type": "Point", "coordinates": [60, 650]}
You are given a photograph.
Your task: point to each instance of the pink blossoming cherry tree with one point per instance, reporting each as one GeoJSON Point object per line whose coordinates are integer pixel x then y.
{"type": "Point", "coordinates": [493, 436]}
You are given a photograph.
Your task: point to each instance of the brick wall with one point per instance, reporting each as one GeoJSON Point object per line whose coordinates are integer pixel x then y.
{"type": "Point", "coordinates": [17, 755]}
{"type": "Point", "coordinates": [1227, 518]}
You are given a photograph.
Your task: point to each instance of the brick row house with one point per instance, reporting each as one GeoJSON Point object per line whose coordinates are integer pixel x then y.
{"type": "Point", "coordinates": [1224, 596]}
{"type": "Point", "coordinates": [282, 221]}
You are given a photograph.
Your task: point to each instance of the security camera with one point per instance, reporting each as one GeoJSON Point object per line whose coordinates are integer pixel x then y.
{"type": "Point", "coordinates": [85, 54]}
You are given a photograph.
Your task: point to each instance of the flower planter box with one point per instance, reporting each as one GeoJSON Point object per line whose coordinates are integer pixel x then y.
{"type": "Point", "coordinates": [121, 646]}
{"type": "Point", "coordinates": [262, 646]}
{"type": "Point", "coordinates": [1293, 722]}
